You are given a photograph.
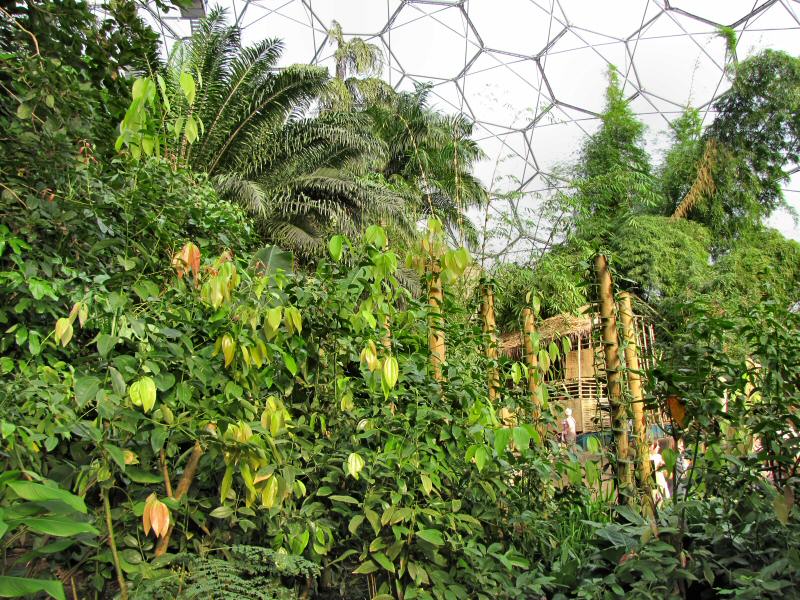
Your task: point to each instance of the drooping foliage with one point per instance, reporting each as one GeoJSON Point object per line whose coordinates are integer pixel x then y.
{"type": "Point", "coordinates": [185, 413]}
{"type": "Point", "coordinates": [748, 150]}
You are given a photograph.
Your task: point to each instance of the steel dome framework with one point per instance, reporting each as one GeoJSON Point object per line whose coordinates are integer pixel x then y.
{"type": "Point", "coordinates": [531, 74]}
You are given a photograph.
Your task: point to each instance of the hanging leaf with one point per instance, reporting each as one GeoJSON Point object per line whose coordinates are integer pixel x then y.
{"type": "Point", "coordinates": [544, 361]}
{"type": "Point", "coordinates": [522, 438]}
{"type": "Point", "coordinates": [270, 493]}
{"type": "Point", "coordinates": [335, 247]}
{"type": "Point", "coordinates": [390, 371]}
{"type": "Point", "coordinates": [516, 373]}
{"type": "Point", "coordinates": [155, 516]}
{"type": "Point", "coordinates": [143, 393]}
{"type": "Point", "coordinates": [188, 86]}
{"type": "Point", "coordinates": [228, 349]}
{"type": "Point", "coordinates": [63, 331]}
{"type": "Point", "coordinates": [354, 464]}
{"type": "Point", "coordinates": [432, 536]}
{"type": "Point", "coordinates": [376, 236]}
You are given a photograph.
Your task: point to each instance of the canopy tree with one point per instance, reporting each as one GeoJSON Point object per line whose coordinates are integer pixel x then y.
{"type": "Point", "coordinates": [747, 152]}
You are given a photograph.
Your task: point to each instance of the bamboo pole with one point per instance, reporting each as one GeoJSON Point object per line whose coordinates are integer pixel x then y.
{"type": "Point", "coordinates": [635, 386]}
{"type": "Point", "coordinates": [532, 362]}
{"type": "Point", "coordinates": [436, 340]}
{"type": "Point", "coordinates": [619, 414]}
{"type": "Point", "coordinates": [489, 330]}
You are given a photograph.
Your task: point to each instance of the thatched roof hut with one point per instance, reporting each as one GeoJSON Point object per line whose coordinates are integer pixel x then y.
{"type": "Point", "coordinates": [575, 327]}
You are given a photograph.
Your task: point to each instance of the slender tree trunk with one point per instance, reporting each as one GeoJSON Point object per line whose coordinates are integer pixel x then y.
{"type": "Point", "coordinates": [619, 413]}
{"type": "Point", "coordinates": [489, 327]}
{"type": "Point", "coordinates": [183, 487]}
{"type": "Point", "coordinates": [436, 340]}
{"type": "Point", "coordinates": [112, 544]}
{"type": "Point", "coordinates": [635, 386]}
{"type": "Point", "coordinates": [532, 362]}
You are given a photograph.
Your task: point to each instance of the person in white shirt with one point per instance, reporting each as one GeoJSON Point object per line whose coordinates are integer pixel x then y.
{"type": "Point", "coordinates": [662, 493]}
{"type": "Point", "coordinates": [568, 428]}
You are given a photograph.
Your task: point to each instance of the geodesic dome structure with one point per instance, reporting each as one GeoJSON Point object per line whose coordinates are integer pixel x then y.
{"type": "Point", "coordinates": [531, 74]}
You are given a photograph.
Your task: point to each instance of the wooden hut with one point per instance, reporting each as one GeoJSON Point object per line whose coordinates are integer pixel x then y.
{"type": "Point", "coordinates": [577, 379]}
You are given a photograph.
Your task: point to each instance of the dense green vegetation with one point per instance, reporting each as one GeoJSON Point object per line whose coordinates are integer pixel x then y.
{"type": "Point", "coordinates": [216, 378]}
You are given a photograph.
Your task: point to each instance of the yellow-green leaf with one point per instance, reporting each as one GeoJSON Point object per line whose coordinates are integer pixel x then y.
{"type": "Point", "coordinates": [143, 393]}
{"type": "Point", "coordinates": [63, 331]}
{"type": "Point", "coordinates": [270, 493]}
{"type": "Point", "coordinates": [228, 349]}
{"type": "Point", "coordinates": [354, 464]}
{"type": "Point", "coordinates": [390, 371]}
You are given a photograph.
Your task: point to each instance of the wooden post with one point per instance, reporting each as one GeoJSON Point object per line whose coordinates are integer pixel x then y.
{"type": "Point", "coordinates": [532, 362]}
{"type": "Point", "coordinates": [635, 386]}
{"type": "Point", "coordinates": [619, 414]}
{"type": "Point", "coordinates": [487, 311]}
{"type": "Point", "coordinates": [436, 342]}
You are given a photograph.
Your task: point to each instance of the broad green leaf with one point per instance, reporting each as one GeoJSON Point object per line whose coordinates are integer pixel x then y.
{"type": "Point", "coordinates": [117, 454]}
{"type": "Point", "coordinates": [355, 523]}
{"type": "Point", "coordinates": [138, 475]}
{"type": "Point", "coordinates": [376, 236]}
{"type": "Point", "coordinates": [427, 484]}
{"type": "Point", "coordinates": [354, 464]}
{"type": "Point", "coordinates": [290, 363]}
{"type": "Point", "coordinates": [366, 568]}
{"type": "Point", "coordinates": [522, 438]}
{"type": "Point", "coordinates": [390, 371]}
{"type": "Point", "coordinates": [188, 86]}
{"type": "Point", "coordinates": [105, 343]}
{"type": "Point", "coordinates": [335, 247]}
{"type": "Point", "coordinates": [37, 492]}
{"type": "Point", "coordinates": [374, 519]}
{"type": "Point", "coordinates": [221, 512]}
{"type": "Point", "coordinates": [63, 331]}
{"type": "Point", "coordinates": [86, 388]}
{"type": "Point", "coordinates": [17, 587]}
{"type": "Point", "coordinates": [143, 393]}
{"type": "Point", "coordinates": [344, 499]}
{"type": "Point", "coordinates": [270, 493]}
{"type": "Point", "coordinates": [191, 129]}
{"type": "Point", "coordinates": [227, 483]}
{"type": "Point", "coordinates": [432, 536]}
{"type": "Point", "coordinates": [501, 438]}
{"type": "Point", "coordinates": [58, 526]}
{"type": "Point", "coordinates": [271, 259]}
{"type": "Point", "coordinates": [383, 561]}
{"type": "Point", "coordinates": [481, 457]}
{"type": "Point", "coordinates": [24, 111]}
{"type": "Point", "coordinates": [274, 317]}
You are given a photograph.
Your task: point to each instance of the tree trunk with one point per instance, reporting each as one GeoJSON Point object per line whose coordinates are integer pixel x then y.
{"type": "Point", "coordinates": [619, 413]}
{"type": "Point", "coordinates": [436, 341]}
{"type": "Point", "coordinates": [487, 311]}
{"type": "Point", "coordinates": [635, 386]}
{"type": "Point", "coordinates": [532, 362]}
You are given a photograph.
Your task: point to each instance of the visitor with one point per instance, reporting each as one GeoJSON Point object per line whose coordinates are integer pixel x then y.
{"type": "Point", "coordinates": [681, 469]}
{"type": "Point", "coordinates": [569, 431]}
{"type": "Point", "coordinates": [661, 493]}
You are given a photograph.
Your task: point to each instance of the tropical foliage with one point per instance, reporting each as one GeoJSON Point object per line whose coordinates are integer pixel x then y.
{"type": "Point", "coordinates": [189, 409]}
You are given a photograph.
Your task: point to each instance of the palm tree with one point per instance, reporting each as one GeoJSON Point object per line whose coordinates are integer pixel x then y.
{"type": "Point", "coordinates": [430, 158]}
{"type": "Point", "coordinates": [302, 176]}
{"type": "Point", "coordinates": [357, 83]}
